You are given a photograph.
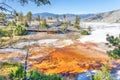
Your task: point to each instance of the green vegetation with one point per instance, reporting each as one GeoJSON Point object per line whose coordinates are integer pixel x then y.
{"type": "Point", "coordinates": [103, 74]}
{"type": "Point", "coordinates": [20, 16]}
{"type": "Point", "coordinates": [84, 32]}
{"type": "Point", "coordinates": [50, 18]}
{"type": "Point", "coordinates": [2, 16]}
{"type": "Point", "coordinates": [114, 53]}
{"type": "Point", "coordinates": [18, 74]}
{"type": "Point", "coordinates": [63, 29]}
{"type": "Point", "coordinates": [13, 30]}
{"type": "Point", "coordinates": [15, 71]}
{"type": "Point", "coordinates": [4, 32]}
{"type": "Point", "coordinates": [43, 24]}
{"type": "Point", "coordinates": [65, 24]}
{"type": "Point", "coordinates": [24, 24]}
{"type": "Point", "coordinates": [19, 30]}
{"type": "Point", "coordinates": [29, 17]}
{"type": "Point", "coordinates": [5, 69]}
{"type": "Point", "coordinates": [77, 20]}
{"type": "Point", "coordinates": [38, 18]}
{"type": "Point", "coordinates": [114, 41]}
{"type": "Point", "coordinates": [11, 24]}
{"type": "Point", "coordinates": [77, 27]}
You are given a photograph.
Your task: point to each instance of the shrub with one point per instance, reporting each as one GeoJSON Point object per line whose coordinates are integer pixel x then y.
{"type": "Point", "coordinates": [114, 53]}
{"type": "Point", "coordinates": [35, 75]}
{"type": "Point", "coordinates": [24, 23]}
{"type": "Point", "coordinates": [11, 24]}
{"type": "Point", "coordinates": [16, 30]}
{"type": "Point", "coordinates": [2, 33]}
{"type": "Point", "coordinates": [5, 32]}
{"type": "Point", "coordinates": [5, 69]}
{"type": "Point", "coordinates": [43, 24]}
{"type": "Point", "coordinates": [84, 32]}
{"type": "Point", "coordinates": [114, 42]}
{"type": "Point", "coordinates": [103, 74]}
{"type": "Point", "coordinates": [18, 74]}
{"type": "Point", "coordinates": [19, 30]}
{"type": "Point", "coordinates": [78, 27]}
{"type": "Point", "coordinates": [63, 29]}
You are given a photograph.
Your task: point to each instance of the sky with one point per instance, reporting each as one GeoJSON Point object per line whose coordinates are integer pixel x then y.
{"type": "Point", "coordinates": [68, 6]}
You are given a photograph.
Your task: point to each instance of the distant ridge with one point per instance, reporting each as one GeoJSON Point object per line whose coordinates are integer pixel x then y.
{"type": "Point", "coordinates": [109, 17]}
{"type": "Point", "coordinates": [46, 15]}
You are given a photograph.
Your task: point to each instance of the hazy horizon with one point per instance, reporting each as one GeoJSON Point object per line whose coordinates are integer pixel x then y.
{"type": "Point", "coordinates": [77, 14]}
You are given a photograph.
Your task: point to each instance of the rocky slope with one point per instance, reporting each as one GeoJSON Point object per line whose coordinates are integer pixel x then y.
{"type": "Point", "coordinates": [110, 17]}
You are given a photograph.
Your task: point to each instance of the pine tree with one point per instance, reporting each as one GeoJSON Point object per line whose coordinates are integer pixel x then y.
{"type": "Point", "coordinates": [20, 16]}
{"type": "Point", "coordinates": [77, 20]}
{"type": "Point", "coordinates": [29, 17]}
{"type": "Point", "coordinates": [115, 42]}
{"type": "Point", "coordinates": [38, 18]}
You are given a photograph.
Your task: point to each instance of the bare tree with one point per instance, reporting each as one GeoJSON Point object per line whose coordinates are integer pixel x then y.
{"type": "Point", "coordinates": [26, 61]}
